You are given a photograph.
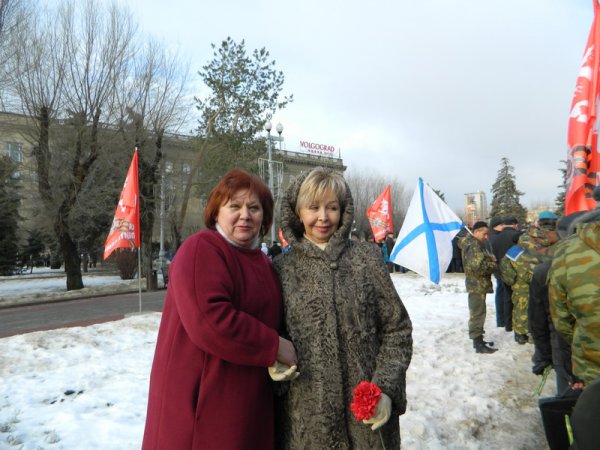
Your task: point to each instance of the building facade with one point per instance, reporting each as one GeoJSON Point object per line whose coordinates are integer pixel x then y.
{"type": "Point", "coordinates": [287, 165]}
{"type": "Point", "coordinates": [476, 207]}
{"type": "Point", "coordinates": [17, 137]}
{"type": "Point", "coordinates": [16, 143]}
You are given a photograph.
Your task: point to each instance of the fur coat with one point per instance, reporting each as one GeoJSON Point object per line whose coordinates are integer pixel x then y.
{"type": "Point", "coordinates": [348, 324]}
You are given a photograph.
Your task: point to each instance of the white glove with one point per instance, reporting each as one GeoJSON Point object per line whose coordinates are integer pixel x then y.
{"type": "Point", "coordinates": [382, 413]}
{"type": "Point", "coordinates": [282, 372]}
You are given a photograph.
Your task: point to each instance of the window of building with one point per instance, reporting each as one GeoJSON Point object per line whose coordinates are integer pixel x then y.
{"type": "Point", "coordinates": [185, 172]}
{"type": "Point", "coordinates": [14, 151]}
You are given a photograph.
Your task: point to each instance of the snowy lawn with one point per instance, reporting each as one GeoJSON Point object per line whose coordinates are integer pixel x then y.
{"type": "Point", "coordinates": [50, 284]}
{"type": "Point", "coordinates": [16, 285]}
{"type": "Point", "coordinates": [87, 387]}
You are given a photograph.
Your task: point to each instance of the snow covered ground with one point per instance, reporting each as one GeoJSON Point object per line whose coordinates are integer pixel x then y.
{"type": "Point", "coordinates": [44, 282]}
{"type": "Point", "coordinates": [51, 284]}
{"type": "Point", "coordinates": [87, 387]}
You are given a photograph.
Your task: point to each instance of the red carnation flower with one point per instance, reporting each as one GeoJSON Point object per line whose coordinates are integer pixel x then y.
{"type": "Point", "coordinates": [366, 397]}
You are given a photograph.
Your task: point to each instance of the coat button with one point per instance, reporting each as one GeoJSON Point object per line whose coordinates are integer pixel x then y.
{"type": "Point", "coordinates": [333, 265]}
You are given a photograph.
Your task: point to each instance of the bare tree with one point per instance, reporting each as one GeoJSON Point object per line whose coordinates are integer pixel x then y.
{"type": "Point", "coordinates": [155, 103]}
{"type": "Point", "coordinates": [5, 6]}
{"type": "Point", "coordinates": [67, 65]}
{"type": "Point", "coordinates": [365, 189]}
{"type": "Point", "coordinates": [9, 10]}
{"type": "Point", "coordinates": [12, 13]}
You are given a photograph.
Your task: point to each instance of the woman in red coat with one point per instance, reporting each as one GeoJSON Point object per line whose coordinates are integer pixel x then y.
{"type": "Point", "coordinates": [209, 386]}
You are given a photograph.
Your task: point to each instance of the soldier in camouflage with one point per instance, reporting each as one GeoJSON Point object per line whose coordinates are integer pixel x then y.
{"type": "Point", "coordinates": [479, 264]}
{"type": "Point", "coordinates": [517, 266]}
{"type": "Point", "coordinates": [574, 291]}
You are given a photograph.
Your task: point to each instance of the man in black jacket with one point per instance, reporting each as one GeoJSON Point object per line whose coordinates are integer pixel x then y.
{"type": "Point", "coordinates": [496, 227]}
{"type": "Point", "coordinates": [274, 250]}
{"type": "Point", "coordinates": [550, 349]}
{"type": "Point", "coordinates": [505, 238]}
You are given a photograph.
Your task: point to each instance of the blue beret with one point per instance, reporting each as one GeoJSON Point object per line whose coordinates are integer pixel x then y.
{"type": "Point", "coordinates": [547, 215]}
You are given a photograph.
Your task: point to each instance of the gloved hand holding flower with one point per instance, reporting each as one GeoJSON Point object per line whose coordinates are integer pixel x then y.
{"type": "Point", "coordinates": [370, 405]}
{"type": "Point", "coordinates": [382, 413]}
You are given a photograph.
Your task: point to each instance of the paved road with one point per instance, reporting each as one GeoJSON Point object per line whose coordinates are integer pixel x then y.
{"type": "Point", "coordinates": [79, 312]}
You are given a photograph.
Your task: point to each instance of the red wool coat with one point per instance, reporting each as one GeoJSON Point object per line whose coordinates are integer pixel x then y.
{"type": "Point", "coordinates": [209, 386]}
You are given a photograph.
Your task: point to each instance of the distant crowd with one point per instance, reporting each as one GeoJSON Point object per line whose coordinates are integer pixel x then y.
{"type": "Point", "coordinates": [547, 286]}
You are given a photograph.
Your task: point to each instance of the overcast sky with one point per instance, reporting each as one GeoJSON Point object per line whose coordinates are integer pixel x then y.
{"type": "Point", "coordinates": [432, 88]}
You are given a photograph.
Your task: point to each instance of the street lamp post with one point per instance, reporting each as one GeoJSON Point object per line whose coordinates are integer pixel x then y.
{"type": "Point", "coordinates": [279, 129]}
{"type": "Point", "coordinates": [161, 252]}
{"type": "Point", "coordinates": [270, 163]}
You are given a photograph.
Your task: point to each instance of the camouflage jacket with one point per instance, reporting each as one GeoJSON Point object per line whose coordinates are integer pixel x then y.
{"type": "Point", "coordinates": [537, 241]}
{"type": "Point", "coordinates": [574, 291]}
{"type": "Point", "coordinates": [479, 265]}
{"type": "Point", "coordinates": [507, 272]}
{"type": "Point", "coordinates": [517, 266]}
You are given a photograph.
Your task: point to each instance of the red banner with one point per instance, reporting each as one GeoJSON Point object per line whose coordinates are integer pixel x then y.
{"type": "Point", "coordinates": [380, 215]}
{"type": "Point", "coordinates": [583, 161]}
{"type": "Point", "coordinates": [125, 230]}
{"type": "Point", "coordinates": [284, 243]}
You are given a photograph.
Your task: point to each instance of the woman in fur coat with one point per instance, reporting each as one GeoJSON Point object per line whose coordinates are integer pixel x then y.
{"type": "Point", "coordinates": [345, 319]}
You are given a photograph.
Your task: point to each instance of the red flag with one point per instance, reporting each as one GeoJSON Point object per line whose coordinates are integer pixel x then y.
{"type": "Point", "coordinates": [284, 243]}
{"type": "Point", "coordinates": [125, 230]}
{"type": "Point", "coordinates": [380, 215]}
{"type": "Point", "coordinates": [583, 161]}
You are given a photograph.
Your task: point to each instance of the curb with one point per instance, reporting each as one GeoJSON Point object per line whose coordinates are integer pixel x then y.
{"type": "Point", "coordinates": [58, 297]}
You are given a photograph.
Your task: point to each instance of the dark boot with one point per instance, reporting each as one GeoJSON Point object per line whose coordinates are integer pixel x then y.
{"type": "Point", "coordinates": [521, 339]}
{"type": "Point", "coordinates": [488, 343]}
{"type": "Point", "coordinates": [481, 347]}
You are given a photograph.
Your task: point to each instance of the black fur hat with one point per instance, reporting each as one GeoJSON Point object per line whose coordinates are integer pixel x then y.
{"type": "Point", "coordinates": [480, 224]}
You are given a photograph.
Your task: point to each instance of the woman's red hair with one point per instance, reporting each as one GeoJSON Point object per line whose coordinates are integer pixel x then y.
{"type": "Point", "coordinates": [233, 181]}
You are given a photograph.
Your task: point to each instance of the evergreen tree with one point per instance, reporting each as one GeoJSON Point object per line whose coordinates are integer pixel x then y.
{"type": "Point", "coordinates": [244, 90]}
{"type": "Point", "coordinates": [562, 193]}
{"type": "Point", "coordinates": [505, 195]}
{"type": "Point", "coordinates": [9, 205]}
{"type": "Point", "coordinates": [32, 250]}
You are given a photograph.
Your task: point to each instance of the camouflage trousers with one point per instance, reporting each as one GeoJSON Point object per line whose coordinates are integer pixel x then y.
{"type": "Point", "coordinates": [476, 315]}
{"type": "Point", "coordinates": [519, 314]}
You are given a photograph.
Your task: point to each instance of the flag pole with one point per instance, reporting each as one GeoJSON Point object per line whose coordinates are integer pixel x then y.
{"type": "Point", "coordinates": [139, 236]}
{"type": "Point", "coordinates": [140, 276]}
{"type": "Point", "coordinates": [125, 229]}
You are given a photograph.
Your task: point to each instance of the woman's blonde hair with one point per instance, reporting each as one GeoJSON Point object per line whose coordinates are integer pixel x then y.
{"type": "Point", "coordinates": [319, 182]}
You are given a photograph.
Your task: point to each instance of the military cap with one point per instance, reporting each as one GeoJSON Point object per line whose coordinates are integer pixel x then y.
{"type": "Point", "coordinates": [495, 221]}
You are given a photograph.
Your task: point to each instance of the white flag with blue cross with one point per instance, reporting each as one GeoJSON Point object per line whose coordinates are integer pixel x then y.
{"type": "Point", "coordinates": [424, 244]}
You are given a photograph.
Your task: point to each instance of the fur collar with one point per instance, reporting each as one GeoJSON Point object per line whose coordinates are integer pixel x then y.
{"type": "Point", "coordinates": [293, 230]}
